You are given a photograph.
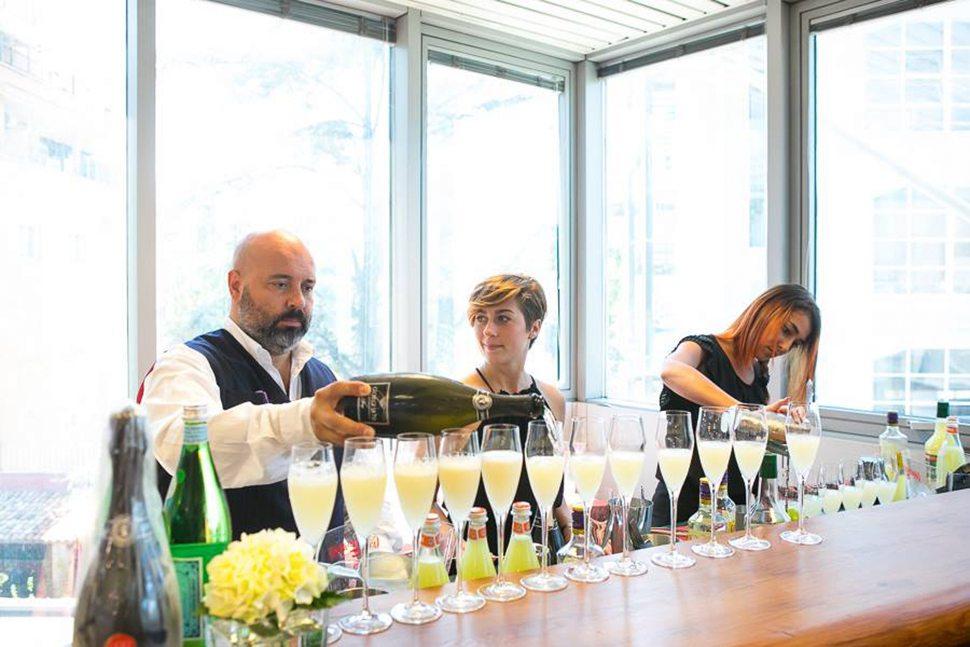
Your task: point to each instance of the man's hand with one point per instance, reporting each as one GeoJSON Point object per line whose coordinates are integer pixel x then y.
{"type": "Point", "coordinates": [328, 424]}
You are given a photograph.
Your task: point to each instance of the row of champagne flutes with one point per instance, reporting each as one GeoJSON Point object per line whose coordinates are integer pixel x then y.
{"type": "Point", "coordinates": [742, 429]}
{"type": "Point", "coordinates": [834, 485]}
{"type": "Point", "coordinates": [458, 460]}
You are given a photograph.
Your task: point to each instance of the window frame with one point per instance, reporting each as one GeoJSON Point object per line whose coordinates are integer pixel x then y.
{"type": "Point", "coordinates": [804, 15]}
{"type": "Point", "coordinates": [446, 41]}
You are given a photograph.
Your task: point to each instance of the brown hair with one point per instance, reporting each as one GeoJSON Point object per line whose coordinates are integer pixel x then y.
{"type": "Point", "coordinates": [766, 314]}
{"type": "Point", "coordinates": [526, 291]}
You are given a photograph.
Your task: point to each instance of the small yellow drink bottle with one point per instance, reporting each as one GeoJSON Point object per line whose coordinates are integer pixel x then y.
{"type": "Point", "coordinates": [431, 566]}
{"type": "Point", "coordinates": [476, 561]}
{"type": "Point", "coordinates": [521, 554]}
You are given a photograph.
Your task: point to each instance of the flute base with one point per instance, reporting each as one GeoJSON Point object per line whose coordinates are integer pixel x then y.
{"type": "Point", "coordinates": [750, 543]}
{"type": "Point", "coordinates": [544, 582]}
{"type": "Point", "coordinates": [672, 559]}
{"type": "Point", "coordinates": [415, 613]}
{"type": "Point", "coordinates": [460, 602]}
{"type": "Point", "coordinates": [801, 537]}
{"type": "Point", "coordinates": [333, 634]}
{"type": "Point", "coordinates": [365, 623]}
{"type": "Point", "coordinates": [587, 573]}
{"type": "Point", "coordinates": [501, 592]}
{"type": "Point", "coordinates": [713, 549]}
{"type": "Point", "coordinates": [626, 567]}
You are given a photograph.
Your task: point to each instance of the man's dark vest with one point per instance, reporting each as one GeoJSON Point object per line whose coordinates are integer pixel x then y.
{"type": "Point", "coordinates": [241, 379]}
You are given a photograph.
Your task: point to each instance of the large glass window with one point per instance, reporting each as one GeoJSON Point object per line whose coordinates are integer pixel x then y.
{"type": "Point", "coordinates": [892, 184]}
{"type": "Point", "coordinates": [495, 204]}
{"type": "Point", "coordinates": [63, 332]}
{"type": "Point", "coordinates": [685, 148]}
{"type": "Point", "coordinates": [267, 123]}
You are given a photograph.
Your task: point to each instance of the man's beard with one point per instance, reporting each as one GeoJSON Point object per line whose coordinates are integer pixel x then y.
{"type": "Point", "coordinates": [264, 328]}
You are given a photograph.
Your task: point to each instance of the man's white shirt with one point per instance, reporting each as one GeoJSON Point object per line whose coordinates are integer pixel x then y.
{"type": "Point", "coordinates": [250, 443]}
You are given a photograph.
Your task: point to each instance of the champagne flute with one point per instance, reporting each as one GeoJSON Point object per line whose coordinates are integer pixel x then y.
{"type": "Point", "coordinates": [886, 483]}
{"type": "Point", "coordinates": [459, 470]}
{"type": "Point", "coordinates": [501, 470]}
{"type": "Point", "coordinates": [830, 483]}
{"type": "Point", "coordinates": [851, 493]}
{"type": "Point", "coordinates": [312, 485]}
{"type": "Point", "coordinates": [364, 478]}
{"type": "Point", "coordinates": [675, 448]}
{"type": "Point", "coordinates": [750, 440]}
{"type": "Point", "coordinates": [715, 433]}
{"type": "Point", "coordinates": [415, 475]}
{"type": "Point", "coordinates": [803, 433]}
{"type": "Point", "coordinates": [544, 462]}
{"type": "Point", "coordinates": [587, 462]}
{"type": "Point", "coordinates": [627, 442]}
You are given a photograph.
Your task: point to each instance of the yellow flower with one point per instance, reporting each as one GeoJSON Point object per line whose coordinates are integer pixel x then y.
{"type": "Point", "coordinates": [261, 574]}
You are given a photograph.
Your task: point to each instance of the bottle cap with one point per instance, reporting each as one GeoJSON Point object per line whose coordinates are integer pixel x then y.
{"type": "Point", "coordinates": [431, 524]}
{"type": "Point", "coordinates": [521, 507]}
{"type": "Point", "coordinates": [578, 513]}
{"type": "Point", "coordinates": [942, 409]}
{"type": "Point", "coordinates": [769, 466]}
{"type": "Point", "coordinates": [892, 418]}
{"type": "Point", "coordinates": [705, 488]}
{"type": "Point", "coordinates": [477, 515]}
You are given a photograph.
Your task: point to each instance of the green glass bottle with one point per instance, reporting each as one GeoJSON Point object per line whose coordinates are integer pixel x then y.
{"type": "Point", "coordinates": [196, 520]}
{"type": "Point", "coordinates": [400, 402]}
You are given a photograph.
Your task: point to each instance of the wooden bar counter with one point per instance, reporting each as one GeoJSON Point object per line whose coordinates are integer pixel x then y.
{"type": "Point", "coordinates": [887, 575]}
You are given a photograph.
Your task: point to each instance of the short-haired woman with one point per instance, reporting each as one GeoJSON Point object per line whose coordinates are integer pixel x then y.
{"type": "Point", "coordinates": [506, 312]}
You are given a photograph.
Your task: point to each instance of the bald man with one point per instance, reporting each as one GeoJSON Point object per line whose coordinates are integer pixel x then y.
{"type": "Point", "coordinates": [264, 390]}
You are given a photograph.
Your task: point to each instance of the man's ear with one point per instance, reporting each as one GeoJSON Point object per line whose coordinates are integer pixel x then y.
{"type": "Point", "coordinates": [234, 281]}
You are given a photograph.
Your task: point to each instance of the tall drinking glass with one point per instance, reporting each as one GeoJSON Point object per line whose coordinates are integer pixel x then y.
{"type": "Point", "coordinates": [587, 462]}
{"type": "Point", "coordinates": [675, 447]}
{"type": "Point", "coordinates": [750, 439]}
{"type": "Point", "coordinates": [415, 476]}
{"type": "Point", "coordinates": [830, 485]}
{"type": "Point", "coordinates": [544, 462]}
{"type": "Point", "coordinates": [501, 470]}
{"type": "Point", "coordinates": [715, 434]}
{"type": "Point", "coordinates": [312, 485]}
{"type": "Point", "coordinates": [364, 477]}
{"type": "Point", "coordinates": [803, 433]}
{"type": "Point", "coordinates": [459, 470]}
{"type": "Point", "coordinates": [627, 443]}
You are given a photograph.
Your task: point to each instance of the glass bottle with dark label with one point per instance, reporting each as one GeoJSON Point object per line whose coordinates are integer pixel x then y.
{"type": "Point", "coordinates": [196, 519]}
{"type": "Point", "coordinates": [401, 402]}
{"type": "Point", "coordinates": [129, 595]}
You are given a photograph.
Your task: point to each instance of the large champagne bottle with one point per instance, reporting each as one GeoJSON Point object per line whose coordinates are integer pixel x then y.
{"type": "Point", "coordinates": [129, 596]}
{"type": "Point", "coordinates": [196, 520]}
{"type": "Point", "coordinates": [402, 402]}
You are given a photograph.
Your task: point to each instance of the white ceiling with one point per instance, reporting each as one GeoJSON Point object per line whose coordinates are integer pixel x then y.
{"type": "Point", "coordinates": [581, 27]}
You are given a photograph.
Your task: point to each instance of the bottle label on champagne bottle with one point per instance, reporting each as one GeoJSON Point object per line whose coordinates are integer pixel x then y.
{"type": "Point", "coordinates": [374, 409]}
{"type": "Point", "coordinates": [190, 562]}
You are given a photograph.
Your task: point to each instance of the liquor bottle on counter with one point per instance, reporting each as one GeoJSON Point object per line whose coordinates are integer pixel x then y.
{"type": "Point", "coordinates": [521, 553]}
{"type": "Point", "coordinates": [196, 520]}
{"type": "Point", "coordinates": [951, 454]}
{"type": "Point", "coordinates": [699, 523]}
{"type": "Point", "coordinates": [894, 449]}
{"type": "Point", "coordinates": [476, 561]}
{"type": "Point", "coordinates": [412, 402]}
{"type": "Point", "coordinates": [931, 448]}
{"type": "Point", "coordinates": [130, 595]}
{"type": "Point", "coordinates": [431, 565]}
{"type": "Point", "coordinates": [769, 509]}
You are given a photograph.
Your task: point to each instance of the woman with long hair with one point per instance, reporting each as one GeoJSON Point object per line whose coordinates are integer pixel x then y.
{"type": "Point", "coordinates": [732, 367]}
